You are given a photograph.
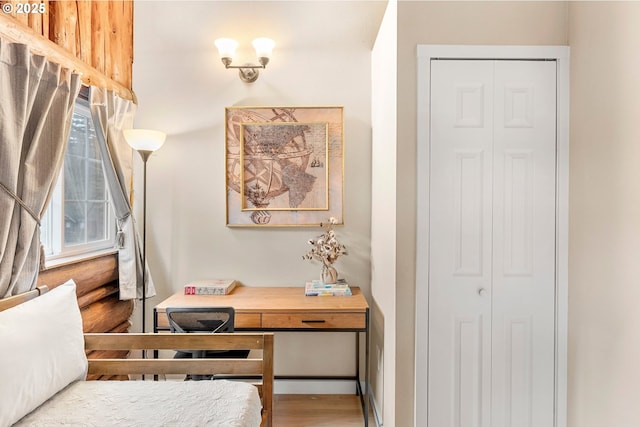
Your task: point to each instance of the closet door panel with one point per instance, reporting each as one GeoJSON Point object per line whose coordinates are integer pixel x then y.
{"type": "Point", "coordinates": [460, 244]}
{"type": "Point", "coordinates": [524, 195]}
{"type": "Point", "coordinates": [492, 244]}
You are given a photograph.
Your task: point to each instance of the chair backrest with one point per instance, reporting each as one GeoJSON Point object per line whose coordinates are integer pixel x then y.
{"type": "Point", "coordinates": [200, 319]}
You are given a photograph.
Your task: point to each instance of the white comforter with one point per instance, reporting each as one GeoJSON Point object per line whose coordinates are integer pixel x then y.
{"type": "Point", "coordinates": [150, 403]}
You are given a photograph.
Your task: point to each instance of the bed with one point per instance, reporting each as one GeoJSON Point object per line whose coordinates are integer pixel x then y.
{"type": "Point", "coordinates": [43, 367]}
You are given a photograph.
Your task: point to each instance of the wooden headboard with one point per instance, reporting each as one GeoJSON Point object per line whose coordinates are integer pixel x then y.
{"type": "Point", "coordinates": [259, 367]}
{"type": "Point", "coordinates": [9, 302]}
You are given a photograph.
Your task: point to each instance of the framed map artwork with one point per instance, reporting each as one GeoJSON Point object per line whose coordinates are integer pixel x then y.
{"type": "Point", "coordinates": [284, 165]}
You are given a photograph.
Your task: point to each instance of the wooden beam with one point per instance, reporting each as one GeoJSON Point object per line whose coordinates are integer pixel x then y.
{"type": "Point", "coordinates": [98, 294]}
{"type": "Point", "coordinates": [63, 23]}
{"type": "Point", "coordinates": [35, 19]}
{"type": "Point", "coordinates": [84, 32]}
{"type": "Point", "coordinates": [45, 20]}
{"type": "Point", "coordinates": [99, 28]}
{"type": "Point", "coordinates": [127, 44]}
{"type": "Point", "coordinates": [14, 31]}
{"type": "Point", "coordinates": [106, 314]}
{"type": "Point", "coordinates": [21, 17]}
{"type": "Point", "coordinates": [115, 42]}
{"type": "Point", "coordinates": [88, 273]}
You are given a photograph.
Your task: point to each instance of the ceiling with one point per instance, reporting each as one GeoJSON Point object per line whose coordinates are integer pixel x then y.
{"type": "Point", "coordinates": [293, 25]}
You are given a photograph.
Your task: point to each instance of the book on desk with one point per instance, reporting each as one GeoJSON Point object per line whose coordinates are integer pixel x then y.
{"type": "Point", "coordinates": [317, 288]}
{"type": "Point", "coordinates": [210, 287]}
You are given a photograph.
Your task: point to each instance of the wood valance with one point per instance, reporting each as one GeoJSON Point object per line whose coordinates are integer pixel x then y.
{"type": "Point", "coordinates": [14, 31]}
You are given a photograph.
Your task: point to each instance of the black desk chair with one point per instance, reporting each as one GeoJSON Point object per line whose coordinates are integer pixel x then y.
{"type": "Point", "coordinates": [203, 320]}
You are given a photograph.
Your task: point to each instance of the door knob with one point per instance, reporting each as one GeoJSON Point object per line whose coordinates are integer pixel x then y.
{"type": "Point", "coordinates": [482, 292]}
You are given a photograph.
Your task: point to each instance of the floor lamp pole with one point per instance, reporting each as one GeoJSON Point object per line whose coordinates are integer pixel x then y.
{"type": "Point", "coordinates": [145, 156]}
{"type": "Point", "coordinates": [145, 142]}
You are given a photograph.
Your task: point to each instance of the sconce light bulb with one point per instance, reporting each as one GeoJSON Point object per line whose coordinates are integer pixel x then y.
{"type": "Point", "coordinates": [263, 47]}
{"type": "Point", "coordinates": [226, 48]}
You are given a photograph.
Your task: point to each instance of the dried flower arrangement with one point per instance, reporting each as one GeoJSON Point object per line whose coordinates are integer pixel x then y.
{"type": "Point", "coordinates": [327, 249]}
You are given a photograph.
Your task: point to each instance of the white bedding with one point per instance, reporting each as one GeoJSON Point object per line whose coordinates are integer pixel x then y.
{"type": "Point", "coordinates": [150, 403]}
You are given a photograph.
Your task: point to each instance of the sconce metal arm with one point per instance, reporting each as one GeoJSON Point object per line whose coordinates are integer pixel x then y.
{"type": "Point", "coordinates": [240, 67]}
{"type": "Point", "coordinates": [248, 72]}
{"type": "Point", "coordinates": [263, 63]}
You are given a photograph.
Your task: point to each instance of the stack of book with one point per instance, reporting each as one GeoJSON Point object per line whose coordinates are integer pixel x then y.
{"type": "Point", "coordinates": [316, 288]}
{"type": "Point", "coordinates": [210, 287]}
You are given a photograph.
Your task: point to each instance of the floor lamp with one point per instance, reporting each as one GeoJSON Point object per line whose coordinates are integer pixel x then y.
{"type": "Point", "coordinates": [145, 142]}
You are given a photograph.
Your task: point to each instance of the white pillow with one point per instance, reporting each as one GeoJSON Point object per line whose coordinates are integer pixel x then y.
{"type": "Point", "coordinates": [42, 351]}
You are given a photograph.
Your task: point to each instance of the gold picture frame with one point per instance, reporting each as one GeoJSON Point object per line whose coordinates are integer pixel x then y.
{"type": "Point", "coordinates": [284, 165]}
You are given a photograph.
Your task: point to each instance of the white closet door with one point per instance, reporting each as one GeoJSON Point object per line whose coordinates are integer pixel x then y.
{"type": "Point", "coordinates": [460, 243]}
{"type": "Point", "coordinates": [524, 195]}
{"type": "Point", "coordinates": [492, 240]}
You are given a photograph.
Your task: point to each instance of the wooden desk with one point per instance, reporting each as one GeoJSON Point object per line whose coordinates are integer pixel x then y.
{"type": "Point", "coordinates": [287, 309]}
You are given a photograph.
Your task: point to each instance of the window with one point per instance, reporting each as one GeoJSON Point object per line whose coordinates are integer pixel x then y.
{"type": "Point", "coordinates": [79, 218]}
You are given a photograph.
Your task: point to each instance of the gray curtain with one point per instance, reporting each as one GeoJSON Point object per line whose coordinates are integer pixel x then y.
{"type": "Point", "coordinates": [111, 114]}
{"type": "Point", "coordinates": [36, 104]}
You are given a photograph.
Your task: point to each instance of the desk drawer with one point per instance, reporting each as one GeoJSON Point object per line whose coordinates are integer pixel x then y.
{"type": "Point", "coordinates": [248, 320]}
{"type": "Point", "coordinates": [314, 321]}
{"type": "Point", "coordinates": [242, 320]}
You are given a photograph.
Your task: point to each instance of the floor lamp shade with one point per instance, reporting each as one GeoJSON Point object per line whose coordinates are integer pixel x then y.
{"type": "Point", "coordinates": [144, 139]}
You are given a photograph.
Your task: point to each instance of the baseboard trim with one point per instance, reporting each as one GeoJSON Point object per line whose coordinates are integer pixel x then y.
{"type": "Point", "coordinates": [314, 387]}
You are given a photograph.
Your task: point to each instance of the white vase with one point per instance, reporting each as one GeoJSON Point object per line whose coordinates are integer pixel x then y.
{"type": "Point", "coordinates": [329, 274]}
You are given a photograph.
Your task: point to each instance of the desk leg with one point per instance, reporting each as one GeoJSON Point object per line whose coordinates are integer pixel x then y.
{"type": "Point", "coordinates": [358, 388]}
{"type": "Point", "coordinates": [364, 394]}
{"type": "Point", "coordinates": [366, 378]}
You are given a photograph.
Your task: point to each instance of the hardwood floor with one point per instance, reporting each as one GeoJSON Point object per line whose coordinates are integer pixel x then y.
{"type": "Point", "coordinates": [322, 410]}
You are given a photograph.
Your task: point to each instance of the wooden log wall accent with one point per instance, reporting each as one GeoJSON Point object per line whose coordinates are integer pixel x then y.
{"type": "Point", "coordinates": [97, 33]}
{"type": "Point", "coordinates": [97, 291]}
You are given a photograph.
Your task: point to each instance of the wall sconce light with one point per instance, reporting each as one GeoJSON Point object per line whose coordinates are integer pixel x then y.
{"type": "Point", "coordinates": [248, 72]}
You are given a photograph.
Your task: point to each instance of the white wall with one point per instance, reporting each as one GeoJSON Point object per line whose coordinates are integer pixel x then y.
{"type": "Point", "coordinates": [183, 89]}
{"type": "Point", "coordinates": [604, 233]}
{"type": "Point", "coordinates": [383, 215]}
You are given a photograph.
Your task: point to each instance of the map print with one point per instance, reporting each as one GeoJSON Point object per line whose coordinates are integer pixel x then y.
{"type": "Point", "coordinates": [284, 165]}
